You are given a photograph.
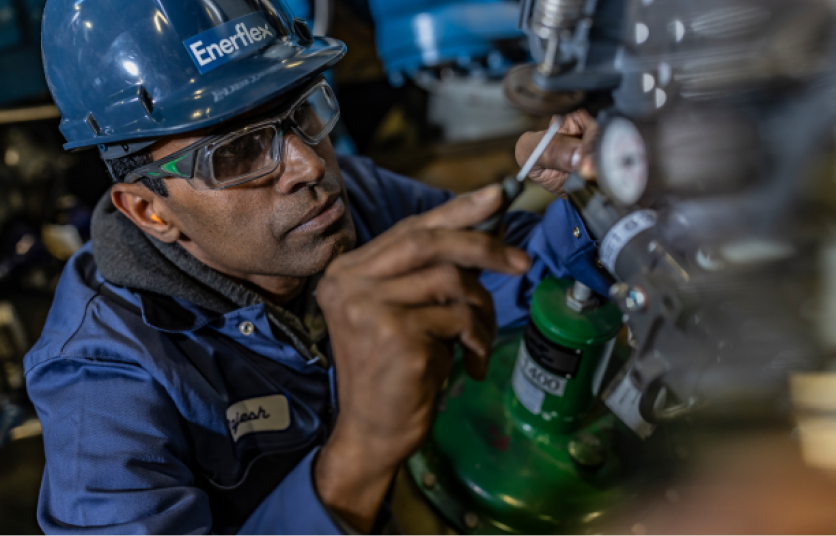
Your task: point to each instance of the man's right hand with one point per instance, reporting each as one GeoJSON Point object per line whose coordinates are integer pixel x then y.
{"type": "Point", "coordinates": [395, 308]}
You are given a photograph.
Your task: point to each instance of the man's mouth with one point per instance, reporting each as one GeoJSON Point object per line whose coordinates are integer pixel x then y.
{"type": "Point", "coordinates": [321, 216]}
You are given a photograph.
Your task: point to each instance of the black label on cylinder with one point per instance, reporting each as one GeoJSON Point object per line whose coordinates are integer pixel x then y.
{"type": "Point", "coordinates": [554, 358]}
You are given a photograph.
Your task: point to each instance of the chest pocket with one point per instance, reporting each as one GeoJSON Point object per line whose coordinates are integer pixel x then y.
{"type": "Point", "coordinates": [274, 415]}
{"type": "Point", "coordinates": [232, 505]}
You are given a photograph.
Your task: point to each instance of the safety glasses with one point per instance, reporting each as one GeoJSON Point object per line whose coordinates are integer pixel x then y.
{"type": "Point", "coordinates": [248, 152]}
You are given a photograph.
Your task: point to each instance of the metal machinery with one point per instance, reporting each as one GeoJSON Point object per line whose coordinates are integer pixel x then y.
{"type": "Point", "coordinates": [458, 51]}
{"type": "Point", "coordinates": [714, 210]}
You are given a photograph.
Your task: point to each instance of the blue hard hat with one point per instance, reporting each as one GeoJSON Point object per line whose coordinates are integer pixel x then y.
{"type": "Point", "coordinates": [126, 70]}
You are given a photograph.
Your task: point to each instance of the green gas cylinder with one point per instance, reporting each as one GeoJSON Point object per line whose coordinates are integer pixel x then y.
{"type": "Point", "coordinates": [531, 448]}
{"type": "Point", "coordinates": [562, 357]}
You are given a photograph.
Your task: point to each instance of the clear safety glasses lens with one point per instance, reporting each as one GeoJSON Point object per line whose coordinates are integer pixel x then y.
{"type": "Point", "coordinates": [259, 151]}
{"type": "Point", "coordinates": [315, 116]}
{"type": "Point", "coordinates": [246, 155]}
{"type": "Point", "coordinates": [250, 152]}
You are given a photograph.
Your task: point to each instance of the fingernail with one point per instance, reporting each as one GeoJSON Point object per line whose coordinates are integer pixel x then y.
{"type": "Point", "coordinates": [576, 158]}
{"type": "Point", "coordinates": [587, 168]}
{"type": "Point", "coordinates": [487, 194]}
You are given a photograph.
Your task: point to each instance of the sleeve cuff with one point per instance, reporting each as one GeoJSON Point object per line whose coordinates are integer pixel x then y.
{"type": "Point", "coordinates": [570, 244]}
{"type": "Point", "coordinates": [294, 507]}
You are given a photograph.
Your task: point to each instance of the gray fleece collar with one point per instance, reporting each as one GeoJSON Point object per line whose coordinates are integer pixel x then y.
{"type": "Point", "coordinates": [130, 258]}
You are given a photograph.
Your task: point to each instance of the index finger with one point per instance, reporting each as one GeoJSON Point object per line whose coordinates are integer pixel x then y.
{"type": "Point", "coordinates": [426, 247]}
{"type": "Point", "coordinates": [459, 213]}
{"type": "Point", "coordinates": [464, 211]}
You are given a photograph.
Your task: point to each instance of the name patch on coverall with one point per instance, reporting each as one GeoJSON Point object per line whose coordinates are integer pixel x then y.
{"type": "Point", "coordinates": [263, 414]}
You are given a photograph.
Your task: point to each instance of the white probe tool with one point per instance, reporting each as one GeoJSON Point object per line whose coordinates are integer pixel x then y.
{"type": "Point", "coordinates": [512, 187]}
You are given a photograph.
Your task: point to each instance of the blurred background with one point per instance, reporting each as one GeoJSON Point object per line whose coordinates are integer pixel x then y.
{"type": "Point", "coordinates": [423, 92]}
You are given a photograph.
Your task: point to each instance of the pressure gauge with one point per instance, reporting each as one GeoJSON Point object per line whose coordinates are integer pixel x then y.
{"type": "Point", "coordinates": [623, 169]}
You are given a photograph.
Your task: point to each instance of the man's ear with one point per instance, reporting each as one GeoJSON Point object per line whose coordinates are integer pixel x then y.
{"type": "Point", "coordinates": [145, 209]}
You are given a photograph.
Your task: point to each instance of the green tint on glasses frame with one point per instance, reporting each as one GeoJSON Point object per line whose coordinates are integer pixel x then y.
{"type": "Point", "coordinates": [249, 151]}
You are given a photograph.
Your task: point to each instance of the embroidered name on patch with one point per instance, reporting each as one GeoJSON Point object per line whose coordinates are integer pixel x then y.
{"type": "Point", "coordinates": [264, 414]}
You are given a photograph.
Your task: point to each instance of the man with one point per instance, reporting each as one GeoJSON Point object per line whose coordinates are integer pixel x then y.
{"type": "Point", "coordinates": [198, 372]}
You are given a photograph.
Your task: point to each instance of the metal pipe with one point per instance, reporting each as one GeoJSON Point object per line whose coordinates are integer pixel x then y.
{"type": "Point", "coordinates": [552, 16]}
{"type": "Point", "coordinates": [581, 292]}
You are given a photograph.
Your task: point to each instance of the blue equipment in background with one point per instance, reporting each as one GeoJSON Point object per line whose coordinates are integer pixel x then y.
{"type": "Point", "coordinates": [457, 51]}
{"type": "Point", "coordinates": [20, 52]}
{"type": "Point", "coordinates": [300, 8]}
{"type": "Point", "coordinates": [415, 34]}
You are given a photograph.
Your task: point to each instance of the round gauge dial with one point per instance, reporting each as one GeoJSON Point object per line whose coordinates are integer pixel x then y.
{"type": "Point", "coordinates": [622, 161]}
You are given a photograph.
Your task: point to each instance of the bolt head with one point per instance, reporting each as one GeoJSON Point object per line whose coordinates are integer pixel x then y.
{"type": "Point", "coordinates": [618, 290]}
{"type": "Point", "coordinates": [577, 232]}
{"type": "Point", "coordinates": [587, 450]}
{"type": "Point", "coordinates": [635, 300]}
{"type": "Point", "coordinates": [471, 520]}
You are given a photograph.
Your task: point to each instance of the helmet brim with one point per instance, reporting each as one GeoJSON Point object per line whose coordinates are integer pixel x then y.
{"type": "Point", "coordinates": [228, 91]}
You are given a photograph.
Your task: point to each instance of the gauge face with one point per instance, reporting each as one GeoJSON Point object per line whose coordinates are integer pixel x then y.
{"type": "Point", "coordinates": [622, 158]}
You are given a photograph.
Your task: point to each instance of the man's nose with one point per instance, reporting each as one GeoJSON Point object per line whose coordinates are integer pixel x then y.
{"type": "Point", "coordinates": [302, 165]}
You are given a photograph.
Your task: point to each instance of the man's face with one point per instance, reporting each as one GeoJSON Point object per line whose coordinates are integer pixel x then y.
{"type": "Point", "coordinates": [291, 223]}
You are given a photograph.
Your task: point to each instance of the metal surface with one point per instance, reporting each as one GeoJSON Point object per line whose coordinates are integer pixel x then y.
{"type": "Point", "coordinates": [711, 214]}
{"type": "Point", "coordinates": [551, 16]}
{"type": "Point", "coordinates": [523, 94]}
{"type": "Point", "coordinates": [575, 45]}
{"type": "Point", "coordinates": [553, 21]}
{"type": "Point", "coordinates": [580, 298]}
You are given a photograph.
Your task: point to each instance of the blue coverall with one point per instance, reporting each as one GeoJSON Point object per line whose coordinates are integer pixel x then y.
{"type": "Point", "coordinates": [133, 389]}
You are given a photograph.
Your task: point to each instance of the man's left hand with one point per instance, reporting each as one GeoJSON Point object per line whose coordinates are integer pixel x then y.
{"type": "Point", "coordinates": [570, 150]}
